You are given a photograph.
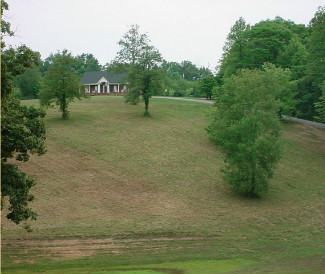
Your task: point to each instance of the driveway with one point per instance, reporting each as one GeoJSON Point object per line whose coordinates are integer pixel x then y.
{"type": "Point", "coordinates": [185, 99]}
{"type": "Point", "coordinates": [211, 102]}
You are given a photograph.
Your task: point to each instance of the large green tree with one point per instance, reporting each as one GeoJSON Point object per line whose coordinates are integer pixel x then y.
{"type": "Point", "coordinates": [187, 70]}
{"type": "Point", "coordinates": [46, 64]}
{"type": "Point", "coordinates": [316, 48]}
{"type": "Point", "coordinates": [29, 83]}
{"type": "Point", "coordinates": [309, 100]}
{"type": "Point", "coordinates": [320, 107]}
{"type": "Point", "coordinates": [175, 84]}
{"type": "Point", "coordinates": [146, 76]}
{"type": "Point", "coordinates": [143, 63]}
{"type": "Point", "coordinates": [233, 49]}
{"type": "Point", "coordinates": [61, 84]}
{"type": "Point", "coordinates": [245, 126]}
{"type": "Point", "coordinates": [294, 56]}
{"type": "Point", "coordinates": [206, 86]}
{"type": "Point", "coordinates": [316, 63]}
{"type": "Point", "coordinates": [132, 45]}
{"type": "Point", "coordinates": [22, 130]}
{"type": "Point", "coordinates": [283, 43]}
{"type": "Point", "coordinates": [14, 62]}
{"type": "Point", "coordinates": [284, 87]}
{"type": "Point", "coordinates": [183, 78]}
{"type": "Point", "coordinates": [22, 133]}
{"type": "Point", "coordinates": [86, 62]}
{"type": "Point", "coordinates": [114, 67]}
{"type": "Point", "coordinates": [191, 72]}
{"type": "Point", "coordinates": [235, 34]}
{"type": "Point", "coordinates": [251, 47]}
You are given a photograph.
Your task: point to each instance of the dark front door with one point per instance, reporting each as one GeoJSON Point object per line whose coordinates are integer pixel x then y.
{"type": "Point", "coordinates": [103, 88]}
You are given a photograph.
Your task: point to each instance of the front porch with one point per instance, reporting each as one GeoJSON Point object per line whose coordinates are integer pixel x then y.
{"type": "Point", "coordinates": [105, 88]}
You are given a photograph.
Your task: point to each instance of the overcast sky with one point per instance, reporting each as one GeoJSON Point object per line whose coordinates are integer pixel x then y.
{"type": "Point", "coordinates": [193, 30]}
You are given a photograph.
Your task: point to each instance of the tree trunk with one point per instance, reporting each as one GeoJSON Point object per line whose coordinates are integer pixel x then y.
{"type": "Point", "coordinates": [65, 113]}
{"type": "Point", "coordinates": [146, 106]}
{"type": "Point", "coordinates": [63, 106]}
{"type": "Point", "coordinates": [146, 97]}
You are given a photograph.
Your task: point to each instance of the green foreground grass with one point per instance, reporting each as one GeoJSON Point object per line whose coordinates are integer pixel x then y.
{"type": "Point", "coordinates": [118, 192]}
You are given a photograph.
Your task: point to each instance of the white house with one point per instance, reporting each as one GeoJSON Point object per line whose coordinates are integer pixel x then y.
{"type": "Point", "coordinates": [102, 83]}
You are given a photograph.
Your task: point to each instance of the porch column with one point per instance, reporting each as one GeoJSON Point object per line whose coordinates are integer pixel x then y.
{"type": "Point", "coordinates": [98, 88]}
{"type": "Point", "coordinates": [88, 88]}
{"type": "Point", "coordinates": [118, 87]}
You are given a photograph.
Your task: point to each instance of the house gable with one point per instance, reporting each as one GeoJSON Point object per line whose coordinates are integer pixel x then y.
{"type": "Point", "coordinates": [102, 80]}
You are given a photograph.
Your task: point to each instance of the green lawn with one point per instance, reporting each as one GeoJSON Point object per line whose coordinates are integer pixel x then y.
{"type": "Point", "coordinates": [118, 191]}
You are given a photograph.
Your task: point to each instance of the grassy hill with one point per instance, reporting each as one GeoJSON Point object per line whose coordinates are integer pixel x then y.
{"type": "Point", "coordinates": [116, 188]}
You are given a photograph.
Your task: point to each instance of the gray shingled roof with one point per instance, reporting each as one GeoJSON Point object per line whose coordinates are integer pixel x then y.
{"type": "Point", "coordinates": [91, 77]}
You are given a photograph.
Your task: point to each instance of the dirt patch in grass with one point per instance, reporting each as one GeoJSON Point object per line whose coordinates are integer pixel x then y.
{"type": "Point", "coordinates": [68, 249]}
{"type": "Point", "coordinates": [80, 248]}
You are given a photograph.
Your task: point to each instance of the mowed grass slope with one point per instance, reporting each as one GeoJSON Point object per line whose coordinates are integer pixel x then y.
{"type": "Point", "coordinates": [111, 173]}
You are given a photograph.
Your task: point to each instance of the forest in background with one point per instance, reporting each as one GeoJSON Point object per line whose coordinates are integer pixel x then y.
{"type": "Point", "coordinates": [298, 48]}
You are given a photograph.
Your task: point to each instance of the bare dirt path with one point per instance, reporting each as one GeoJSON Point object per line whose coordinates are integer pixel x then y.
{"type": "Point", "coordinates": [19, 249]}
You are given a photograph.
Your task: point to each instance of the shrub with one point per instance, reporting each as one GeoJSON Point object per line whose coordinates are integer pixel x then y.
{"type": "Point", "coordinates": [178, 94]}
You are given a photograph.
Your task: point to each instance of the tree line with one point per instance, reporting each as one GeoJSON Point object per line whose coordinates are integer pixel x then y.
{"type": "Point", "coordinates": [180, 79]}
{"type": "Point", "coordinates": [295, 47]}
